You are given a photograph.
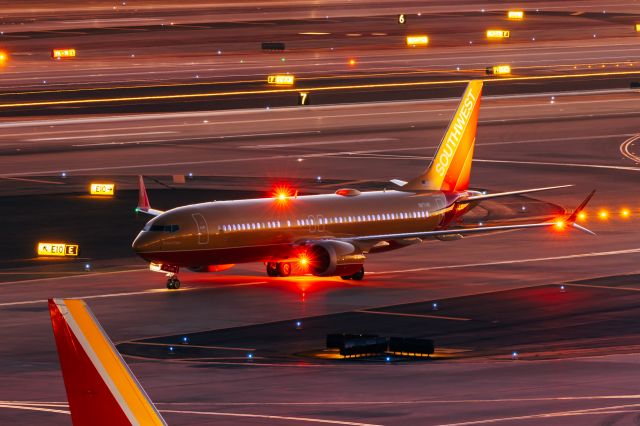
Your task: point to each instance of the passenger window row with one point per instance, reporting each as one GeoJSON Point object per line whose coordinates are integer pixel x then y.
{"type": "Point", "coordinates": [320, 220]}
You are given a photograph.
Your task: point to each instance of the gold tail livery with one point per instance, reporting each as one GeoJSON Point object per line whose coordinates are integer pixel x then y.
{"type": "Point", "coordinates": [331, 234]}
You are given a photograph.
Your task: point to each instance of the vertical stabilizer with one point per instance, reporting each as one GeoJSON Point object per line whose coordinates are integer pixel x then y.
{"type": "Point", "coordinates": [100, 387]}
{"type": "Point", "coordinates": [450, 168]}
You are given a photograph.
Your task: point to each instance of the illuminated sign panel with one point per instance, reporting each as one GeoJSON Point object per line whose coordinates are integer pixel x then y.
{"type": "Point", "coordinates": [102, 188]}
{"type": "Point", "coordinates": [499, 70]}
{"type": "Point", "coordinates": [497, 34]}
{"type": "Point", "coordinates": [419, 40]}
{"type": "Point", "coordinates": [515, 15]}
{"type": "Point", "coordinates": [281, 79]}
{"type": "Point", "coordinates": [638, 28]}
{"type": "Point", "coordinates": [57, 249]}
{"type": "Point", "coordinates": [63, 53]}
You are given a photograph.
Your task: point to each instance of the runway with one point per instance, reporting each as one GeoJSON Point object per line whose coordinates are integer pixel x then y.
{"type": "Point", "coordinates": [577, 140]}
{"type": "Point", "coordinates": [531, 327]}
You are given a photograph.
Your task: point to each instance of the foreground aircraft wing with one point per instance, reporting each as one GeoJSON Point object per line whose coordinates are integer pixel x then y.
{"type": "Point", "coordinates": [481, 197]}
{"type": "Point", "coordinates": [143, 200]}
{"type": "Point", "coordinates": [559, 223]}
{"type": "Point", "coordinates": [100, 387]}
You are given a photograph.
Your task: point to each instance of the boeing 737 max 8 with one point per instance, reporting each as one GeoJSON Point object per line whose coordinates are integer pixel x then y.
{"type": "Point", "coordinates": [330, 234]}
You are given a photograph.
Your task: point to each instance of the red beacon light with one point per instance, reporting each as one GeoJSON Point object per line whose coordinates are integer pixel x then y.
{"type": "Point", "coordinates": [282, 193]}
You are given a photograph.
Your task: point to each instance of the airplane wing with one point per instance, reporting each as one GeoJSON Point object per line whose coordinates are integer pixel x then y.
{"type": "Point", "coordinates": [100, 387]}
{"type": "Point", "coordinates": [560, 224]}
{"type": "Point", "coordinates": [143, 200]}
{"type": "Point", "coordinates": [481, 197]}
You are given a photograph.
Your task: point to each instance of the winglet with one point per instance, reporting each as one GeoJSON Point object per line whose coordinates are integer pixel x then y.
{"type": "Point", "coordinates": [571, 220]}
{"type": "Point", "coordinates": [143, 200]}
{"type": "Point", "coordinates": [100, 387]}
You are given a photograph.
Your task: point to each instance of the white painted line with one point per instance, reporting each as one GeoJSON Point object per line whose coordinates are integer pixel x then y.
{"type": "Point", "coordinates": [400, 314]}
{"type": "Point", "coordinates": [34, 408]}
{"type": "Point", "coordinates": [271, 417]}
{"type": "Point", "coordinates": [515, 261]}
{"type": "Point", "coordinates": [226, 348]}
{"type": "Point", "coordinates": [334, 142]}
{"type": "Point", "coordinates": [606, 287]}
{"type": "Point", "coordinates": [64, 138]}
{"type": "Point", "coordinates": [134, 293]}
{"type": "Point", "coordinates": [79, 275]}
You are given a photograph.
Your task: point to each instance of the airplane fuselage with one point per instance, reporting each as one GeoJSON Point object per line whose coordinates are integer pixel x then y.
{"type": "Point", "coordinates": [273, 229]}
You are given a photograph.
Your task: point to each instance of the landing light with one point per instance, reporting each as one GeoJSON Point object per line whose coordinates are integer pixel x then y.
{"type": "Point", "coordinates": [282, 193]}
{"type": "Point", "coordinates": [560, 225]}
{"type": "Point", "coordinates": [303, 261]}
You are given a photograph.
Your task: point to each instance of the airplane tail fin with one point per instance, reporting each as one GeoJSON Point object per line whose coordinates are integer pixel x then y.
{"type": "Point", "coordinates": [100, 387]}
{"type": "Point", "coordinates": [450, 168]}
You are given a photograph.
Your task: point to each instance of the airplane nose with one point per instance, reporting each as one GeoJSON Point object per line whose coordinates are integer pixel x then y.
{"type": "Point", "coordinates": [145, 243]}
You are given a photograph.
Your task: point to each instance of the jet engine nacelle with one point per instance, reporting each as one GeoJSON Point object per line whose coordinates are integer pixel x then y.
{"type": "Point", "coordinates": [331, 258]}
{"type": "Point", "coordinates": [211, 268]}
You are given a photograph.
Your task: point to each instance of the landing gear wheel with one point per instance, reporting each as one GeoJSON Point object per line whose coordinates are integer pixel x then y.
{"type": "Point", "coordinates": [358, 276]}
{"type": "Point", "coordinates": [173, 283]}
{"type": "Point", "coordinates": [284, 269]}
{"type": "Point", "coordinates": [272, 269]}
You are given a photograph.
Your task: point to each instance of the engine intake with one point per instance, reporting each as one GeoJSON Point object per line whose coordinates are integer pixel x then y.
{"type": "Point", "coordinates": [331, 258]}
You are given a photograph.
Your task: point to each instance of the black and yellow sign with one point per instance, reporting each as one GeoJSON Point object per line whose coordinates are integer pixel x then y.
{"type": "Point", "coordinates": [63, 53]}
{"type": "Point", "coordinates": [498, 34]}
{"type": "Point", "coordinates": [417, 40]}
{"type": "Point", "coordinates": [402, 19]}
{"type": "Point", "coordinates": [102, 188]}
{"type": "Point", "coordinates": [516, 15]}
{"type": "Point", "coordinates": [281, 79]}
{"type": "Point", "coordinates": [57, 249]}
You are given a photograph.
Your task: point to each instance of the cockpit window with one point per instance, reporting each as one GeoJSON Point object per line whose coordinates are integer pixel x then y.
{"type": "Point", "coordinates": [161, 228]}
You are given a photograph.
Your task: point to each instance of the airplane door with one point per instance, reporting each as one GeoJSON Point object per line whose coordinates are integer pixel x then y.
{"type": "Point", "coordinates": [201, 226]}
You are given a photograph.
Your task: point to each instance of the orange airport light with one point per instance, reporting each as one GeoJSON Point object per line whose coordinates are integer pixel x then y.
{"type": "Point", "coordinates": [57, 249]}
{"type": "Point", "coordinates": [3, 57]}
{"type": "Point", "coordinates": [281, 79]}
{"type": "Point", "coordinates": [352, 62]}
{"type": "Point", "coordinates": [559, 225]}
{"type": "Point", "coordinates": [625, 213]}
{"type": "Point", "coordinates": [603, 214]}
{"type": "Point", "coordinates": [102, 188]}
{"type": "Point", "coordinates": [417, 40]}
{"type": "Point", "coordinates": [498, 34]}
{"type": "Point", "coordinates": [63, 53]}
{"type": "Point", "coordinates": [516, 15]}
{"type": "Point", "coordinates": [582, 216]}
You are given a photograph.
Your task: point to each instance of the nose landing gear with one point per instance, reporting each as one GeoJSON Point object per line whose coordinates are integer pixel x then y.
{"type": "Point", "coordinates": [173, 283]}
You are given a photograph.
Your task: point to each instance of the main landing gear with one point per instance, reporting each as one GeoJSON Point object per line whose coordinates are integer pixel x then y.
{"type": "Point", "coordinates": [278, 269]}
{"type": "Point", "coordinates": [173, 283]}
{"type": "Point", "coordinates": [358, 276]}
